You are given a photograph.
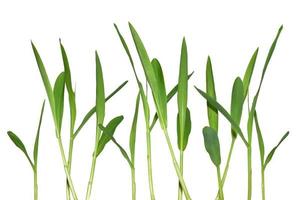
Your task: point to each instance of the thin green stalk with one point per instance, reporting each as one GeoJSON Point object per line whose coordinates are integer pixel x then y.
{"type": "Point", "coordinates": [181, 171]}
{"type": "Point", "coordinates": [133, 184]}
{"type": "Point", "coordinates": [149, 162]}
{"type": "Point", "coordinates": [176, 166]}
{"type": "Point", "coordinates": [249, 158]}
{"type": "Point", "coordinates": [35, 184]}
{"type": "Point", "coordinates": [93, 166]}
{"type": "Point", "coordinates": [62, 152]}
{"type": "Point", "coordinates": [220, 184]}
{"type": "Point", "coordinates": [70, 156]}
{"type": "Point", "coordinates": [263, 192]}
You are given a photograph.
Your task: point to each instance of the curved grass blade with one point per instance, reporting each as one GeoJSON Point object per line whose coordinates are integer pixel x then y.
{"type": "Point", "coordinates": [132, 136]}
{"type": "Point", "coordinates": [249, 72]}
{"type": "Point", "coordinates": [68, 81]}
{"type": "Point", "coordinates": [221, 109]}
{"type": "Point", "coordinates": [46, 81]}
{"type": "Point", "coordinates": [260, 140]}
{"type": "Point", "coordinates": [37, 137]}
{"type": "Point", "coordinates": [210, 90]}
{"type": "Point", "coordinates": [108, 132]}
{"type": "Point", "coordinates": [123, 152]}
{"type": "Point", "coordinates": [237, 101]}
{"type": "Point", "coordinates": [100, 94]}
{"type": "Point", "coordinates": [212, 145]}
{"type": "Point", "coordinates": [271, 154]}
{"type": "Point", "coordinates": [18, 142]}
{"type": "Point", "coordinates": [58, 92]}
{"type": "Point", "coordinates": [182, 143]}
{"type": "Point", "coordinates": [93, 110]}
{"type": "Point", "coordinates": [182, 95]}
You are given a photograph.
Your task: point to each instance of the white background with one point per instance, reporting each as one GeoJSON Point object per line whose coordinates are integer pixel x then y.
{"type": "Point", "coordinates": [228, 31]}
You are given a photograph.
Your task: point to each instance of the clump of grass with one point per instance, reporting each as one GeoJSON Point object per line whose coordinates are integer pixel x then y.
{"type": "Point", "coordinates": [33, 163]}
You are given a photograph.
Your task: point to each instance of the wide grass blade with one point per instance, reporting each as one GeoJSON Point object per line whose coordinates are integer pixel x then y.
{"type": "Point", "coordinates": [221, 109]}
{"type": "Point", "coordinates": [93, 110]}
{"type": "Point", "coordinates": [37, 137]}
{"type": "Point", "coordinates": [68, 81]}
{"type": "Point", "coordinates": [212, 145]}
{"type": "Point", "coordinates": [100, 94]}
{"type": "Point", "coordinates": [108, 132]}
{"type": "Point", "coordinates": [271, 154]}
{"type": "Point", "coordinates": [260, 140]}
{"type": "Point", "coordinates": [237, 101]}
{"type": "Point", "coordinates": [58, 91]}
{"type": "Point", "coordinates": [212, 112]}
{"type": "Point", "coordinates": [248, 73]}
{"type": "Point", "coordinates": [18, 142]}
{"type": "Point", "coordinates": [182, 94]}
{"type": "Point", "coordinates": [182, 143]}
{"type": "Point", "coordinates": [132, 136]}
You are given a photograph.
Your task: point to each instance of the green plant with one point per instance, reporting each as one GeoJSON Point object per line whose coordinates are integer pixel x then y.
{"type": "Point", "coordinates": [34, 164]}
{"type": "Point", "coordinates": [265, 161]}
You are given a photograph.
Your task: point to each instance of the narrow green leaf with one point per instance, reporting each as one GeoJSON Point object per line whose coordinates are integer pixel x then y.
{"type": "Point", "coordinates": [17, 141]}
{"type": "Point", "coordinates": [221, 109]}
{"type": "Point", "coordinates": [260, 140]}
{"type": "Point", "coordinates": [58, 91]}
{"type": "Point", "coordinates": [100, 94]}
{"type": "Point", "coordinates": [108, 133]}
{"type": "Point", "coordinates": [161, 99]}
{"type": "Point", "coordinates": [248, 73]}
{"type": "Point", "coordinates": [68, 81]}
{"type": "Point", "coordinates": [212, 145]}
{"type": "Point", "coordinates": [123, 152]}
{"type": "Point", "coordinates": [182, 143]}
{"type": "Point", "coordinates": [210, 90]}
{"type": "Point", "coordinates": [93, 110]}
{"type": "Point", "coordinates": [182, 94]}
{"type": "Point", "coordinates": [37, 137]}
{"type": "Point", "coordinates": [271, 154]}
{"type": "Point", "coordinates": [46, 81]}
{"type": "Point", "coordinates": [237, 101]}
{"type": "Point", "coordinates": [133, 129]}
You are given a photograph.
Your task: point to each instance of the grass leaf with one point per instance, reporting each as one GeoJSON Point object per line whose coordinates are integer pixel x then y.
{"type": "Point", "coordinates": [237, 101]}
{"type": "Point", "coordinates": [58, 91]}
{"type": "Point", "coordinates": [37, 137]}
{"type": "Point", "coordinates": [17, 141]}
{"type": "Point", "coordinates": [123, 152]}
{"type": "Point", "coordinates": [221, 109]}
{"type": "Point", "coordinates": [182, 94]}
{"type": "Point", "coordinates": [100, 94]}
{"type": "Point", "coordinates": [108, 132]}
{"type": "Point", "coordinates": [212, 145]}
{"type": "Point", "coordinates": [270, 155]}
{"type": "Point", "coordinates": [210, 90]}
{"type": "Point", "coordinates": [182, 143]}
{"type": "Point", "coordinates": [260, 140]}
{"type": "Point", "coordinates": [132, 137]}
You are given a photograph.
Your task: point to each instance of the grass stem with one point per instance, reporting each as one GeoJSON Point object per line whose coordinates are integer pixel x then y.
{"type": "Point", "coordinates": [70, 156]}
{"type": "Point", "coordinates": [221, 194]}
{"type": "Point", "coordinates": [149, 162]}
{"type": "Point", "coordinates": [181, 171]}
{"type": "Point", "coordinates": [249, 158]}
{"type": "Point", "coordinates": [133, 184]}
{"type": "Point", "coordinates": [35, 184]}
{"type": "Point", "coordinates": [263, 192]}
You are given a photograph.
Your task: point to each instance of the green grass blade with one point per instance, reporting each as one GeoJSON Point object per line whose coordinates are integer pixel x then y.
{"type": "Point", "coordinates": [221, 109]}
{"type": "Point", "coordinates": [37, 137]}
{"type": "Point", "coordinates": [248, 73]}
{"type": "Point", "coordinates": [58, 91]}
{"type": "Point", "coordinates": [108, 132]}
{"type": "Point", "coordinates": [68, 81]}
{"type": "Point", "coordinates": [46, 81]}
{"type": "Point", "coordinates": [170, 95]}
{"type": "Point", "coordinates": [100, 94]}
{"type": "Point", "coordinates": [132, 136]}
{"type": "Point", "coordinates": [182, 94]}
{"type": "Point", "coordinates": [18, 142]}
{"type": "Point", "coordinates": [123, 152]}
{"type": "Point", "coordinates": [182, 143]}
{"type": "Point", "coordinates": [271, 154]}
{"type": "Point", "coordinates": [260, 140]}
{"type": "Point", "coordinates": [93, 110]}
{"type": "Point", "coordinates": [212, 145]}
{"type": "Point", "coordinates": [237, 101]}
{"type": "Point", "coordinates": [210, 90]}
